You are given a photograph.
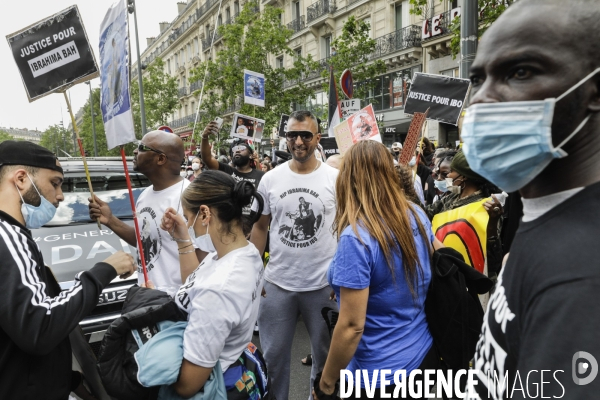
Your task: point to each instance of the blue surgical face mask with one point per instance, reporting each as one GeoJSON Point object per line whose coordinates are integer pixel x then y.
{"type": "Point", "coordinates": [203, 242]}
{"type": "Point", "coordinates": [412, 161]}
{"type": "Point", "coordinates": [441, 185]}
{"type": "Point", "coordinates": [36, 217]}
{"type": "Point", "coordinates": [510, 143]}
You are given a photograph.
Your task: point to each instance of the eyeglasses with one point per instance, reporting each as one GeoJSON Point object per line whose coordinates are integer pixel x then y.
{"type": "Point", "coordinates": [142, 147]}
{"type": "Point", "coordinates": [306, 136]}
{"type": "Point", "coordinates": [238, 148]}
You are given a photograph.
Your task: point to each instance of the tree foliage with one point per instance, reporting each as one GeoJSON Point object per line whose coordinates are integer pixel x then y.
{"type": "Point", "coordinates": [248, 43]}
{"type": "Point", "coordinates": [160, 96]}
{"type": "Point", "coordinates": [353, 50]}
{"type": "Point", "coordinates": [5, 136]}
{"type": "Point", "coordinates": [58, 140]}
{"type": "Point", "coordinates": [489, 11]}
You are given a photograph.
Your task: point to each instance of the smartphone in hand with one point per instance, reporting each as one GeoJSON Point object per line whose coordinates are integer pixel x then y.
{"type": "Point", "coordinates": [219, 122]}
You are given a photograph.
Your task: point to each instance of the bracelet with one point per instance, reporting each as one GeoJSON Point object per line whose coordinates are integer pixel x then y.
{"type": "Point", "coordinates": [187, 245]}
{"type": "Point", "coordinates": [187, 252]}
{"type": "Point", "coordinates": [178, 240]}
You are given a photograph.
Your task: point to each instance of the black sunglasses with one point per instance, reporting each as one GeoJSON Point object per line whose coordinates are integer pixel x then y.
{"type": "Point", "coordinates": [306, 136]}
{"type": "Point", "coordinates": [142, 147]}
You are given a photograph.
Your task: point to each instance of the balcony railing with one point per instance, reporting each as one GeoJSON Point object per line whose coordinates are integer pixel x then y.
{"type": "Point", "coordinates": [323, 65]}
{"type": "Point", "coordinates": [185, 121]}
{"type": "Point", "coordinates": [440, 28]}
{"type": "Point", "coordinates": [195, 86]}
{"type": "Point", "coordinates": [183, 91]}
{"type": "Point", "coordinates": [205, 7]}
{"type": "Point", "coordinates": [297, 25]}
{"type": "Point", "coordinates": [401, 39]}
{"type": "Point", "coordinates": [319, 9]}
{"type": "Point", "coordinates": [206, 42]}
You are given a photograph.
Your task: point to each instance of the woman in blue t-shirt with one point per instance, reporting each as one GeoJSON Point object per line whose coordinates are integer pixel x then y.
{"type": "Point", "coordinates": [380, 273]}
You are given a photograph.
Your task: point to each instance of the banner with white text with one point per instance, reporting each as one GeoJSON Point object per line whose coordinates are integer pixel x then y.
{"type": "Point", "coordinates": [53, 54]}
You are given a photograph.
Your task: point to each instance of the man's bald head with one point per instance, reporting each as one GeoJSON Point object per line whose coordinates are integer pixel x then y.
{"type": "Point", "coordinates": [168, 143]}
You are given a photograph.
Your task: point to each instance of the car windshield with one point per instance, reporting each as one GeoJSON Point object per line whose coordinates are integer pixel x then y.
{"type": "Point", "coordinates": [109, 187]}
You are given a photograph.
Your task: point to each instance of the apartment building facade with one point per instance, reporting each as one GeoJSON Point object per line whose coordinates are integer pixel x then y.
{"type": "Point", "coordinates": [407, 43]}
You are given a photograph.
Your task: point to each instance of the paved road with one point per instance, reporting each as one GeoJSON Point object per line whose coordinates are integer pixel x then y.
{"type": "Point", "coordinates": [300, 374]}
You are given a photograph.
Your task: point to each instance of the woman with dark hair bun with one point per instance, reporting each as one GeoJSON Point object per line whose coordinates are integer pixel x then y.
{"type": "Point", "coordinates": [222, 294]}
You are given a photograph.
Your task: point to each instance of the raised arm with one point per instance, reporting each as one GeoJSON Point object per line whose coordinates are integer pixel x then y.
{"type": "Point", "coordinates": [207, 157]}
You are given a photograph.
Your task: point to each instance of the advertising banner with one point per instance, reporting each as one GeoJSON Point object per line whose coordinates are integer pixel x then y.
{"type": "Point", "coordinates": [53, 54]}
{"type": "Point", "coordinates": [115, 101]}
{"type": "Point", "coordinates": [442, 95]}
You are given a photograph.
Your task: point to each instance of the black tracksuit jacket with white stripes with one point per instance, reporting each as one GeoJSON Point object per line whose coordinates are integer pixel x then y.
{"type": "Point", "coordinates": [36, 317]}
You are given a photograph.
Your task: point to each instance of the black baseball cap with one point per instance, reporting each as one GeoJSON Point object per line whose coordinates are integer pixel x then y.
{"type": "Point", "coordinates": [14, 152]}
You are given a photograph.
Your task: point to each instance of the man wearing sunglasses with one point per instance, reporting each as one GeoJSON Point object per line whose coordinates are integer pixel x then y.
{"type": "Point", "coordinates": [299, 206]}
{"type": "Point", "coordinates": [241, 157]}
{"type": "Point", "coordinates": [158, 156]}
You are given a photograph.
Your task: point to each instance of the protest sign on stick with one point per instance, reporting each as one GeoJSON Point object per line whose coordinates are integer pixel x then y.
{"type": "Point", "coordinates": [360, 126]}
{"type": "Point", "coordinates": [115, 102]}
{"type": "Point", "coordinates": [254, 88]}
{"type": "Point", "coordinates": [442, 95]}
{"type": "Point", "coordinates": [414, 131]}
{"type": "Point", "coordinates": [53, 54]}
{"type": "Point", "coordinates": [246, 127]}
{"type": "Point", "coordinates": [283, 122]}
{"type": "Point", "coordinates": [349, 107]}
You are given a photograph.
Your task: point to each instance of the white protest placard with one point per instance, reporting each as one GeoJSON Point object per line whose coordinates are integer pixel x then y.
{"type": "Point", "coordinates": [349, 107]}
{"type": "Point", "coordinates": [53, 54]}
{"type": "Point", "coordinates": [115, 101]}
{"type": "Point", "coordinates": [254, 88]}
{"type": "Point", "coordinates": [247, 128]}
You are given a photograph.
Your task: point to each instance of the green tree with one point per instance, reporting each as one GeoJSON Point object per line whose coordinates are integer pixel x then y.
{"type": "Point", "coordinates": [160, 96]}
{"type": "Point", "coordinates": [87, 134]}
{"type": "Point", "coordinates": [5, 136]}
{"type": "Point", "coordinates": [247, 43]}
{"type": "Point", "coordinates": [58, 140]}
{"type": "Point", "coordinates": [489, 11]}
{"type": "Point", "coordinates": [353, 50]}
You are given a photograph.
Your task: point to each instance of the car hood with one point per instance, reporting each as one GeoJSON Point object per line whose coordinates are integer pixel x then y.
{"type": "Point", "coordinates": [71, 249]}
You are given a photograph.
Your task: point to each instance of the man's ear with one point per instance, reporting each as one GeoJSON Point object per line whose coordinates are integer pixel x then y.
{"type": "Point", "coordinates": [318, 137]}
{"type": "Point", "coordinates": [162, 159]}
{"type": "Point", "coordinates": [21, 179]}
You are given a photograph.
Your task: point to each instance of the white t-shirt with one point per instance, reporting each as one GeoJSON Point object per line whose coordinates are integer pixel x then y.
{"type": "Point", "coordinates": [221, 298]}
{"type": "Point", "coordinates": [160, 251]}
{"type": "Point", "coordinates": [302, 207]}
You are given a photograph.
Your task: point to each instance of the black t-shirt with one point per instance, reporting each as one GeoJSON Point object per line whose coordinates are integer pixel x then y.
{"type": "Point", "coordinates": [253, 176]}
{"type": "Point", "coordinates": [542, 325]}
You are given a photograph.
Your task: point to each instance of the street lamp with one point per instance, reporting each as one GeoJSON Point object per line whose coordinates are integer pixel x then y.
{"type": "Point", "coordinates": [93, 122]}
{"type": "Point", "coordinates": [131, 9]}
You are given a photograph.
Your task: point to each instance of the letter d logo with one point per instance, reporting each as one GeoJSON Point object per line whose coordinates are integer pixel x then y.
{"type": "Point", "coordinates": [580, 368]}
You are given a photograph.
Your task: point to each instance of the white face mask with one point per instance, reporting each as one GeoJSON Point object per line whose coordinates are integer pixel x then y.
{"type": "Point", "coordinates": [203, 242]}
{"type": "Point", "coordinates": [183, 173]}
{"type": "Point", "coordinates": [195, 166]}
{"type": "Point", "coordinates": [451, 187]}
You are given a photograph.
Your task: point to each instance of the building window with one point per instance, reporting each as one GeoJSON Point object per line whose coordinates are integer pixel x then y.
{"type": "Point", "coordinates": [368, 21]}
{"type": "Point", "coordinates": [196, 49]}
{"type": "Point", "coordinates": [169, 66]}
{"type": "Point", "coordinates": [189, 52]}
{"type": "Point", "coordinates": [453, 73]}
{"type": "Point", "coordinates": [236, 8]}
{"type": "Point", "coordinates": [298, 53]}
{"type": "Point", "coordinates": [279, 62]}
{"type": "Point", "coordinates": [327, 46]}
{"type": "Point", "coordinates": [398, 12]}
{"type": "Point", "coordinates": [219, 20]}
{"type": "Point", "coordinates": [227, 15]}
{"type": "Point", "coordinates": [176, 61]}
{"type": "Point", "coordinates": [295, 10]}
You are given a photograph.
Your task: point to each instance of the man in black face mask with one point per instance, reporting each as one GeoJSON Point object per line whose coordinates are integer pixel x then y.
{"type": "Point", "coordinates": [396, 149]}
{"type": "Point", "coordinates": [241, 159]}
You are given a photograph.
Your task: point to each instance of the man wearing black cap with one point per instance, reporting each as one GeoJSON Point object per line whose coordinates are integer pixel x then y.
{"type": "Point", "coordinates": [35, 317]}
{"type": "Point", "coordinates": [241, 159]}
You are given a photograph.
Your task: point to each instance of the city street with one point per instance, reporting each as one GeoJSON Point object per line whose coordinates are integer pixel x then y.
{"type": "Point", "coordinates": [299, 374]}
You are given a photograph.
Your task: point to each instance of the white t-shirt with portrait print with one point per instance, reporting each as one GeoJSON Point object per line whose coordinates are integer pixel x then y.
{"type": "Point", "coordinates": [160, 251]}
{"type": "Point", "coordinates": [221, 298]}
{"type": "Point", "coordinates": [302, 207]}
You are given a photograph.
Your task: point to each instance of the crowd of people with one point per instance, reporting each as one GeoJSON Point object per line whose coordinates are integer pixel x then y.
{"type": "Point", "coordinates": [354, 234]}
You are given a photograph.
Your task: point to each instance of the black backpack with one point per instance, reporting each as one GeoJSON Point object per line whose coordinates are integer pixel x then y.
{"type": "Point", "coordinates": [452, 308]}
